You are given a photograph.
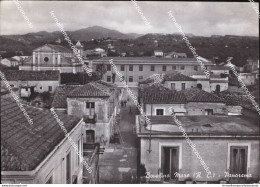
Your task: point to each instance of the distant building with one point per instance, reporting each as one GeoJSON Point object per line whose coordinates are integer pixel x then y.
{"type": "Point", "coordinates": [158, 53]}
{"type": "Point", "coordinates": [251, 66]}
{"type": "Point", "coordinates": [178, 81]}
{"type": "Point", "coordinates": [248, 78]}
{"type": "Point", "coordinates": [157, 99]}
{"type": "Point", "coordinates": [20, 58]}
{"type": "Point", "coordinates": [39, 153]}
{"type": "Point", "coordinates": [99, 50]}
{"type": "Point", "coordinates": [137, 69]}
{"type": "Point", "coordinates": [110, 46]}
{"type": "Point", "coordinates": [176, 55]}
{"type": "Point", "coordinates": [30, 82]}
{"type": "Point", "coordinates": [218, 70]}
{"type": "Point", "coordinates": [10, 62]}
{"type": "Point", "coordinates": [54, 57]}
{"type": "Point", "coordinates": [123, 54]}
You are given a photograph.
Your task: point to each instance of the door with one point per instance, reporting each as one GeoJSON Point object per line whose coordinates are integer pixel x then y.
{"type": "Point", "coordinates": [170, 163]}
{"type": "Point", "coordinates": [238, 163]}
{"type": "Point", "coordinates": [90, 136]}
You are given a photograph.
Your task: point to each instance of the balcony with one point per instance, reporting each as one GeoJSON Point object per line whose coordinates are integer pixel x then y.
{"type": "Point", "coordinates": [90, 119]}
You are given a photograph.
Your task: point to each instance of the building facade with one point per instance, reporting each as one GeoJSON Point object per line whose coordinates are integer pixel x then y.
{"type": "Point", "coordinates": [168, 158]}
{"type": "Point", "coordinates": [96, 102]}
{"type": "Point", "coordinates": [136, 69]}
{"type": "Point", "coordinates": [54, 57]}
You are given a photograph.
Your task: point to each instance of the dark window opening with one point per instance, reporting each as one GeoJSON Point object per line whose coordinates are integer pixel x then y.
{"type": "Point", "coordinates": [122, 68]}
{"type": "Point", "coordinates": [152, 67]}
{"type": "Point", "coordinates": [159, 112]}
{"type": "Point", "coordinates": [68, 168]}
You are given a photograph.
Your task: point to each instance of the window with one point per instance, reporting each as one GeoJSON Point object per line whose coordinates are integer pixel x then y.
{"type": "Point", "coordinates": [49, 181]}
{"type": "Point", "coordinates": [90, 108]}
{"type": "Point", "coordinates": [183, 86]}
{"type": "Point", "coordinates": [170, 162]}
{"type": "Point", "coordinates": [159, 112]}
{"type": "Point", "coordinates": [173, 86]}
{"type": "Point", "coordinates": [140, 67]}
{"type": "Point", "coordinates": [79, 150]}
{"type": "Point", "coordinates": [108, 67]}
{"type": "Point", "coordinates": [50, 88]}
{"type": "Point", "coordinates": [46, 59]}
{"type": "Point", "coordinates": [130, 78]}
{"type": "Point", "coordinates": [238, 162]}
{"type": "Point", "coordinates": [195, 68]}
{"type": "Point", "coordinates": [182, 67]}
{"type": "Point", "coordinates": [130, 67]}
{"type": "Point", "coordinates": [12, 85]}
{"type": "Point", "coordinates": [164, 68]}
{"type": "Point", "coordinates": [108, 78]}
{"type": "Point", "coordinates": [140, 78]}
{"type": "Point", "coordinates": [209, 111]}
{"type": "Point", "coordinates": [122, 67]}
{"type": "Point", "coordinates": [152, 67]}
{"type": "Point", "coordinates": [68, 168]}
{"type": "Point", "coordinates": [174, 67]}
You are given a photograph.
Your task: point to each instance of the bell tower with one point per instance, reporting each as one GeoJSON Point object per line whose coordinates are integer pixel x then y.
{"type": "Point", "coordinates": [79, 48]}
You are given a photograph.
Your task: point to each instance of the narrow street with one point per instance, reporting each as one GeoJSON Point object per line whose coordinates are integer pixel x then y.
{"type": "Point", "coordinates": [118, 164]}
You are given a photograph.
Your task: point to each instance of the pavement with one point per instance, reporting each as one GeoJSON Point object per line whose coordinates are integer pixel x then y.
{"type": "Point", "coordinates": [118, 164]}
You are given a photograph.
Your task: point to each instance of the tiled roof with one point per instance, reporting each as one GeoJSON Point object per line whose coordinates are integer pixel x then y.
{"type": "Point", "coordinates": [92, 89]}
{"type": "Point", "coordinates": [12, 59]}
{"type": "Point", "coordinates": [176, 76]}
{"type": "Point", "coordinates": [198, 95]}
{"type": "Point", "coordinates": [220, 68]}
{"type": "Point", "coordinates": [97, 89]}
{"type": "Point", "coordinates": [60, 97]}
{"type": "Point", "coordinates": [158, 94]}
{"type": "Point", "coordinates": [25, 146]}
{"type": "Point", "coordinates": [238, 100]}
{"type": "Point", "coordinates": [14, 75]}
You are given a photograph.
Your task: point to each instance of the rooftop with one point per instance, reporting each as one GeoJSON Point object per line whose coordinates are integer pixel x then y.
{"type": "Point", "coordinates": [176, 76]}
{"type": "Point", "coordinates": [200, 125]}
{"type": "Point", "coordinates": [92, 89]}
{"type": "Point", "coordinates": [25, 146]}
{"type": "Point", "coordinates": [57, 48]}
{"type": "Point", "coordinates": [14, 75]}
{"type": "Point", "coordinates": [220, 68]}
{"type": "Point", "coordinates": [12, 59]}
{"type": "Point", "coordinates": [149, 60]}
{"type": "Point", "coordinates": [60, 97]}
{"type": "Point", "coordinates": [198, 95]}
{"type": "Point", "coordinates": [158, 94]}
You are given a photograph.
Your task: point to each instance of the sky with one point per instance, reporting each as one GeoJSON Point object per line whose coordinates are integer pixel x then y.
{"type": "Point", "coordinates": [198, 18]}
